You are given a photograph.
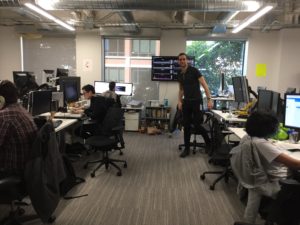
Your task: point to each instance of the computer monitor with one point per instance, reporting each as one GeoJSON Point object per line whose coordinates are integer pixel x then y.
{"type": "Point", "coordinates": [264, 102]}
{"type": "Point", "coordinates": [59, 97]}
{"type": "Point", "coordinates": [124, 89]}
{"type": "Point", "coordinates": [292, 111]}
{"type": "Point", "coordinates": [101, 87]}
{"type": "Point", "coordinates": [24, 81]}
{"type": "Point", "coordinates": [70, 86]}
{"type": "Point", "coordinates": [240, 87]}
{"type": "Point", "coordinates": [40, 102]}
{"type": "Point", "coordinates": [60, 72]}
{"type": "Point", "coordinates": [290, 90]}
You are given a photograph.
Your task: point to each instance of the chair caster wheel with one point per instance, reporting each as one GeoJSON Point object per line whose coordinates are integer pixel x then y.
{"type": "Point", "coordinates": [194, 152]}
{"type": "Point", "coordinates": [51, 219]}
{"type": "Point", "coordinates": [20, 211]}
{"type": "Point", "coordinates": [121, 153]}
{"type": "Point", "coordinates": [211, 187]}
{"type": "Point", "coordinates": [125, 165]}
{"type": "Point", "coordinates": [179, 148]}
{"type": "Point", "coordinates": [85, 166]}
{"type": "Point", "coordinates": [202, 177]}
{"type": "Point", "coordinates": [119, 173]}
{"type": "Point", "coordinates": [92, 174]}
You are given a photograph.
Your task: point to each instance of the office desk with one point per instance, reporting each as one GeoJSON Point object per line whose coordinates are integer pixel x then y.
{"type": "Point", "coordinates": [239, 132]}
{"type": "Point", "coordinates": [226, 117]}
{"type": "Point", "coordinates": [223, 101]}
{"type": "Point", "coordinates": [65, 123]}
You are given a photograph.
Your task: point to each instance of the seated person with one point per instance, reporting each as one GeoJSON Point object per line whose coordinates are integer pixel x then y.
{"type": "Point", "coordinates": [88, 92]}
{"type": "Point", "coordinates": [274, 160]}
{"type": "Point", "coordinates": [17, 132]}
{"type": "Point", "coordinates": [112, 94]}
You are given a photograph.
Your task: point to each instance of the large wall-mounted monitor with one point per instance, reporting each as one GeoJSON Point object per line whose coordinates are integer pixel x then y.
{"type": "Point", "coordinates": [292, 111]}
{"type": "Point", "coordinates": [240, 87]}
{"type": "Point", "coordinates": [121, 88]}
{"type": "Point", "coordinates": [166, 68]}
{"type": "Point", "coordinates": [70, 86]}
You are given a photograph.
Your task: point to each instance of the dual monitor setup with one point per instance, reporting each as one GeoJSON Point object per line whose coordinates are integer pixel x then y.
{"type": "Point", "coordinates": [287, 110]}
{"type": "Point", "coordinates": [41, 101]}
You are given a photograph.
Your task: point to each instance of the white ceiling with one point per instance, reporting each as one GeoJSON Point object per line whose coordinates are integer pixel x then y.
{"type": "Point", "coordinates": [134, 15]}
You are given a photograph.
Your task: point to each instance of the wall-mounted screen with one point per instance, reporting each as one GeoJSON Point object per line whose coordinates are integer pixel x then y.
{"type": "Point", "coordinates": [121, 88]}
{"type": "Point", "coordinates": [166, 68]}
{"type": "Point", "coordinates": [292, 111]}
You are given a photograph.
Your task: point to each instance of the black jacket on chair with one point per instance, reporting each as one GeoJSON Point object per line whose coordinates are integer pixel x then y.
{"type": "Point", "coordinates": [44, 173]}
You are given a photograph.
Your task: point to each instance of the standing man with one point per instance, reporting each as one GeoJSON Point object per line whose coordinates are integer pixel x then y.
{"type": "Point", "coordinates": [17, 132]}
{"type": "Point", "coordinates": [190, 99]}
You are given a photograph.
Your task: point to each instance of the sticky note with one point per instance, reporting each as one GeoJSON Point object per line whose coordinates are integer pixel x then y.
{"type": "Point", "coordinates": [261, 70]}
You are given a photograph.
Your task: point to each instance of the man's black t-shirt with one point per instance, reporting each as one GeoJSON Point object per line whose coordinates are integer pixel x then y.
{"type": "Point", "coordinates": [190, 83]}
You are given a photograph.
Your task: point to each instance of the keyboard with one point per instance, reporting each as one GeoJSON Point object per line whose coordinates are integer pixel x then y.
{"type": "Point", "coordinates": [56, 123]}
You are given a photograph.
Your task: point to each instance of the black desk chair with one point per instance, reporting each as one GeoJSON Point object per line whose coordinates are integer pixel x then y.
{"type": "Point", "coordinates": [12, 191]}
{"type": "Point", "coordinates": [206, 127]}
{"type": "Point", "coordinates": [108, 138]}
{"type": "Point", "coordinates": [220, 154]}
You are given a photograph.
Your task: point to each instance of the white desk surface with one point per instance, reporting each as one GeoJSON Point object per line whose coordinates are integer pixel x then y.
{"type": "Point", "coordinates": [65, 123]}
{"type": "Point", "coordinates": [222, 99]}
{"type": "Point", "coordinates": [239, 132]}
{"type": "Point", "coordinates": [227, 117]}
{"type": "Point", "coordinates": [66, 115]}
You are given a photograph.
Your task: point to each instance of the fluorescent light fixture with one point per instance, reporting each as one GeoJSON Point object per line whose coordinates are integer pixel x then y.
{"type": "Point", "coordinates": [231, 16]}
{"type": "Point", "coordinates": [49, 16]}
{"type": "Point", "coordinates": [251, 6]}
{"type": "Point", "coordinates": [46, 4]}
{"type": "Point", "coordinates": [251, 19]}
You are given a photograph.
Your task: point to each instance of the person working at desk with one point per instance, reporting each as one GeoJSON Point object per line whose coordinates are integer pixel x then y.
{"type": "Point", "coordinates": [275, 161]}
{"type": "Point", "coordinates": [111, 93]}
{"type": "Point", "coordinates": [190, 99]}
{"type": "Point", "coordinates": [17, 132]}
{"type": "Point", "coordinates": [88, 91]}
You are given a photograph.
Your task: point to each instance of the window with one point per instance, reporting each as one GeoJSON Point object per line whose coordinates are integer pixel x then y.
{"type": "Point", "coordinates": [143, 47]}
{"type": "Point", "coordinates": [114, 47]}
{"type": "Point", "coordinates": [114, 74]}
{"type": "Point", "coordinates": [213, 58]}
{"type": "Point", "coordinates": [133, 66]}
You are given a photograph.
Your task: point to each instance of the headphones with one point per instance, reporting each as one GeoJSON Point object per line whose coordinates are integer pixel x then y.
{"type": "Point", "coordinates": [2, 99]}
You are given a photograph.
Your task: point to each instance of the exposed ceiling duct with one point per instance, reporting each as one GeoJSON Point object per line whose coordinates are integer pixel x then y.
{"type": "Point", "coordinates": [130, 25]}
{"type": "Point", "coordinates": [199, 5]}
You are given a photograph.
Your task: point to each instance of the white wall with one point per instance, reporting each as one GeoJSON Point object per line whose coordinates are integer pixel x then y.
{"type": "Point", "coordinates": [172, 42]}
{"type": "Point", "coordinates": [10, 54]}
{"type": "Point", "coordinates": [280, 51]}
{"type": "Point", "coordinates": [88, 50]}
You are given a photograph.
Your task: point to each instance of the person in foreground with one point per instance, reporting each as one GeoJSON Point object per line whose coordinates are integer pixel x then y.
{"type": "Point", "coordinates": [17, 132]}
{"type": "Point", "coordinates": [190, 99]}
{"type": "Point", "coordinates": [272, 159]}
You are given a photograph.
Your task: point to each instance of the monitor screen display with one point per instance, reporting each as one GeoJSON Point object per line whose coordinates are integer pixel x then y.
{"type": "Point", "coordinates": [101, 87]}
{"type": "Point", "coordinates": [240, 87]}
{"type": "Point", "coordinates": [40, 102]}
{"type": "Point", "coordinates": [121, 88]}
{"type": "Point", "coordinates": [292, 111]}
{"type": "Point", "coordinates": [166, 68]}
{"type": "Point", "coordinates": [70, 86]}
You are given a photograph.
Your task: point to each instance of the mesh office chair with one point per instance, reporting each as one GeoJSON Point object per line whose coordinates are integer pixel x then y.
{"type": "Point", "coordinates": [220, 154]}
{"type": "Point", "coordinates": [206, 127]}
{"type": "Point", "coordinates": [108, 138]}
{"type": "Point", "coordinates": [12, 191]}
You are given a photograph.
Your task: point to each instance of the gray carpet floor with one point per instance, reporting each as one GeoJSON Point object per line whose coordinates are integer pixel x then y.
{"type": "Point", "coordinates": [157, 188]}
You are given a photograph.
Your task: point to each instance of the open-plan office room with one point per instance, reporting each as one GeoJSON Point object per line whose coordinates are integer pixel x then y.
{"type": "Point", "coordinates": [157, 187]}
